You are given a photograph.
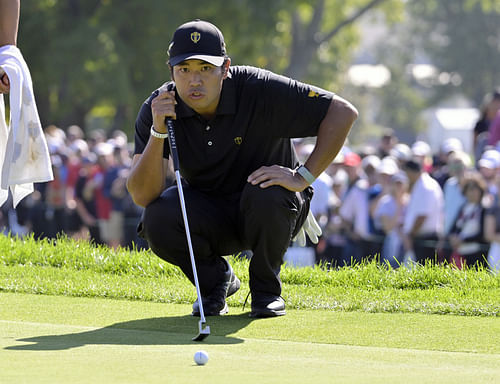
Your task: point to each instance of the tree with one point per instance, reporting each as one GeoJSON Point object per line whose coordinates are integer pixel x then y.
{"type": "Point", "coordinates": [461, 38]}
{"type": "Point", "coordinates": [103, 57]}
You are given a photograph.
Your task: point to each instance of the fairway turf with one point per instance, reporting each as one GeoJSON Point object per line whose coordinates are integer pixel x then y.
{"type": "Point", "coordinates": [55, 339]}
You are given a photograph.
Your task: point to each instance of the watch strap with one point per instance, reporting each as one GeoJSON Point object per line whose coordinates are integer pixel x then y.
{"type": "Point", "coordinates": [304, 172]}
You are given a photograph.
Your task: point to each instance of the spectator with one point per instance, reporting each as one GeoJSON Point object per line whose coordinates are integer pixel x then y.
{"type": "Point", "coordinates": [373, 245]}
{"type": "Point", "coordinates": [421, 152]}
{"type": "Point", "coordinates": [114, 188]}
{"type": "Point", "coordinates": [494, 130]}
{"type": "Point", "coordinates": [390, 212]}
{"type": "Point", "coordinates": [440, 169]}
{"type": "Point", "coordinates": [388, 167]}
{"type": "Point", "coordinates": [85, 203]}
{"type": "Point", "coordinates": [424, 216]}
{"type": "Point", "coordinates": [489, 109]}
{"type": "Point", "coordinates": [94, 189]}
{"type": "Point", "coordinates": [467, 234]}
{"type": "Point", "coordinates": [387, 143]}
{"type": "Point", "coordinates": [55, 201]}
{"type": "Point", "coordinates": [331, 245]}
{"type": "Point", "coordinates": [492, 231]}
{"type": "Point", "coordinates": [458, 162]}
{"type": "Point", "coordinates": [354, 211]}
{"type": "Point", "coordinates": [402, 153]}
{"type": "Point", "coordinates": [488, 166]}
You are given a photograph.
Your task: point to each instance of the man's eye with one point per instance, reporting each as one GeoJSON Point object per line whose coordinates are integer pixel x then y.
{"type": "Point", "coordinates": [206, 68]}
{"type": "Point", "coordinates": [183, 70]}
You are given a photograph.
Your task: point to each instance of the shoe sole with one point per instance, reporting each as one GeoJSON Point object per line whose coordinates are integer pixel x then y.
{"type": "Point", "coordinates": [266, 314]}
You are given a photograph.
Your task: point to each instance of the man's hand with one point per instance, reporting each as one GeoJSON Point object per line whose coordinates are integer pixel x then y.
{"type": "Point", "coordinates": [4, 82]}
{"type": "Point", "coordinates": [277, 175]}
{"type": "Point", "coordinates": [163, 106]}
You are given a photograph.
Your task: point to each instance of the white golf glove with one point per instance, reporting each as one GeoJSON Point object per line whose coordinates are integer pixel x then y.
{"type": "Point", "coordinates": [311, 228]}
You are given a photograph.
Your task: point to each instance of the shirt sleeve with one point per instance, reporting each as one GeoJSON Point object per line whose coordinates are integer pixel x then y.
{"type": "Point", "coordinates": [293, 109]}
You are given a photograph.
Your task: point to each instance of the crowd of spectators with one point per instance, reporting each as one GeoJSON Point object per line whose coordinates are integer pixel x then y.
{"type": "Point", "coordinates": [88, 198]}
{"type": "Point", "coordinates": [400, 203]}
{"type": "Point", "coordinates": [390, 201]}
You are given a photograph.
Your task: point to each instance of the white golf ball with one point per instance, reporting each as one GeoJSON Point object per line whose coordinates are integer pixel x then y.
{"type": "Point", "coordinates": [201, 357]}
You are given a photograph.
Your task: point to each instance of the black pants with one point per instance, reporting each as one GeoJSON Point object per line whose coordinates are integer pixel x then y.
{"type": "Point", "coordinates": [260, 219]}
{"type": "Point", "coordinates": [425, 248]}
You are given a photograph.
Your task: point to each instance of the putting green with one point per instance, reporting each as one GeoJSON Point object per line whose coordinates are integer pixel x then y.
{"type": "Point", "coordinates": [52, 339]}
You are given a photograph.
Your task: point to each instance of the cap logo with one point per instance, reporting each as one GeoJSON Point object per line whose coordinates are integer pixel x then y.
{"type": "Point", "coordinates": [238, 140]}
{"type": "Point", "coordinates": [195, 37]}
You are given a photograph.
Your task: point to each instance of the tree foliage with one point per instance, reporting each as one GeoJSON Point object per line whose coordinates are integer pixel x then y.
{"type": "Point", "coordinates": [462, 38]}
{"type": "Point", "coordinates": [104, 57]}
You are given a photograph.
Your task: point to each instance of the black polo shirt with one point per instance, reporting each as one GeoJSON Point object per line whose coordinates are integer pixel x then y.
{"type": "Point", "coordinates": [258, 114]}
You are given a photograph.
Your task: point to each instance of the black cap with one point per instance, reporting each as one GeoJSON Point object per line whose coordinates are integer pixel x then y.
{"type": "Point", "coordinates": [197, 40]}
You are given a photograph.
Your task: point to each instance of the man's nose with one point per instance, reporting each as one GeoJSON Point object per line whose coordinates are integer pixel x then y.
{"type": "Point", "coordinates": [195, 78]}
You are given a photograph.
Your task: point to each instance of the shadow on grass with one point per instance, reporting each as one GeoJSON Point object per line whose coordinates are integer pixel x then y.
{"type": "Point", "coordinates": [177, 330]}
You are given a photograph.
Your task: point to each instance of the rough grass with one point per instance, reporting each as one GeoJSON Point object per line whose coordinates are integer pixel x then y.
{"type": "Point", "coordinates": [77, 268]}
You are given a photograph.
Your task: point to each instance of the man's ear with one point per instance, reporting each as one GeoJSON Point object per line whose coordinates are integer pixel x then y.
{"type": "Point", "coordinates": [171, 72]}
{"type": "Point", "coordinates": [225, 69]}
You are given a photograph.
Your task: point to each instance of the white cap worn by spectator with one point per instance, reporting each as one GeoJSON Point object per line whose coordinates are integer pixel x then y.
{"type": "Point", "coordinates": [401, 152]}
{"type": "Point", "coordinates": [492, 155]}
{"type": "Point", "coordinates": [370, 161]}
{"type": "Point", "coordinates": [104, 149]}
{"type": "Point", "coordinates": [80, 146]}
{"type": "Point", "coordinates": [388, 166]}
{"type": "Point", "coordinates": [451, 145]}
{"type": "Point", "coordinates": [486, 163]}
{"type": "Point", "coordinates": [421, 148]}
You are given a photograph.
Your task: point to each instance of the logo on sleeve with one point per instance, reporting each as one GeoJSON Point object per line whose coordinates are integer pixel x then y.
{"type": "Point", "coordinates": [238, 140]}
{"type": "Point", "coordinates": [313, 93]}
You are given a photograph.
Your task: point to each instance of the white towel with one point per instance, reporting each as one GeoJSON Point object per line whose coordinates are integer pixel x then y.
{"type": "Point", "coordinates": [24, 156]}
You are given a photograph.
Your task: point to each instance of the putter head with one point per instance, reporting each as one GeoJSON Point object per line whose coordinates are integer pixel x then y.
{"type": "Point", "coordinates": [204, 332]}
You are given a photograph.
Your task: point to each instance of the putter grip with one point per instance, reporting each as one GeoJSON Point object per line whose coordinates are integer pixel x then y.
{"type": "Point", "coordinates": [172, 144]}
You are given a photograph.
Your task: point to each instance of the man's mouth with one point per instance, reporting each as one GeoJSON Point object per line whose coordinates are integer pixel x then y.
{"type": "Point", "coordinates": [196, 94]}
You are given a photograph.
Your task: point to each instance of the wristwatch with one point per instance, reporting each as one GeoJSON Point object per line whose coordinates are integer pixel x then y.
{"type": "Point", "coordinates": [304, 172]}
{"type": "Point", "coordinates": [157, 134]}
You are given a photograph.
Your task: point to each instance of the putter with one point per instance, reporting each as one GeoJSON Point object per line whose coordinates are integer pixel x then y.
{"type": "Point", "coordinates": [204, 330]}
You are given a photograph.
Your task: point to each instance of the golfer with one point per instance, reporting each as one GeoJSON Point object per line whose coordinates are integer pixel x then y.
{"type": "Point", "coordinates": [244, 188]}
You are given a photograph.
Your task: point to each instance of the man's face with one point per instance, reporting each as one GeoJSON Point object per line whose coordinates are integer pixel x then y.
{"type": "Point", "coordinates": [199, 85]}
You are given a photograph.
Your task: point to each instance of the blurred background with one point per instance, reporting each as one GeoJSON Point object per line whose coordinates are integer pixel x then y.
{"type": "Point", "coordinates": [422, 73]}
{"type": "Point", "coordinates": [94, 62]}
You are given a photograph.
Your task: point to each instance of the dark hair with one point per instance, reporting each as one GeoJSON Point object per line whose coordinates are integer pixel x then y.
{"type": "Point", "coordinates": [474, 179]}
{"type": "Point", "coordinates": [413, 165]}
{"type": "Point", "coordinates": [496, 94]}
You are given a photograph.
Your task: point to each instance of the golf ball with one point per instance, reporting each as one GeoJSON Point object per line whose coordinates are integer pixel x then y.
{"type": "Point", "coordinates": [201, 357]}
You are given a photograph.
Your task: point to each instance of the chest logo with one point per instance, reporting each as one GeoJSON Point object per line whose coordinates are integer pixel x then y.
{"type": "Point", "coordinates": [238, 140]}
{"type": "Point", "coordinates": [195, 37]}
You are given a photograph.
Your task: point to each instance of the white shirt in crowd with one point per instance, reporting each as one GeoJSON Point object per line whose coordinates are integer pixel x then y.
{"type": "Point", "coordinates": [453, 201]}
{"type": "Point", "coordinates": [322, 191]}
{"type": "Point", "coordinates": [426, 199]}
{"type": "Point", "coordinates": [355, 208]}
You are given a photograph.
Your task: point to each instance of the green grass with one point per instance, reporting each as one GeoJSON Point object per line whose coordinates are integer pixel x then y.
{"type": "Point", "coordinates": [67, 267]}
{"type": "Point", "coordinates": [73, 312]}
{"type": "Point", "coordinates": [58, 339]}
